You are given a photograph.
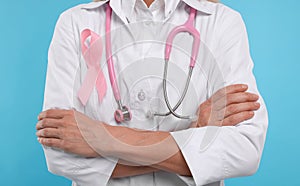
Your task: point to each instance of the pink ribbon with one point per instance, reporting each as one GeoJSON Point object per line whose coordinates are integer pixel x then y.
{"type": "Point", "coordinates": [92, 55]}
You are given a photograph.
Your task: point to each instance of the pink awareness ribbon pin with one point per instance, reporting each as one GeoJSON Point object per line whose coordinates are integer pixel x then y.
{"type": "Point", "coordinates": [92, 55]}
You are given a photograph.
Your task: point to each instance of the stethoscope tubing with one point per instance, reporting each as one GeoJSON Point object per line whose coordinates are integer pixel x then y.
{"type": "Point", "coordinates": [173, 110]}
{"type": "Point", "coordinates": [123, 112]}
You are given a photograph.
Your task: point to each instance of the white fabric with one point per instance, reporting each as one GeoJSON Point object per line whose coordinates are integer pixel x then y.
{"type": "Point", "coordinates": [211, 153]}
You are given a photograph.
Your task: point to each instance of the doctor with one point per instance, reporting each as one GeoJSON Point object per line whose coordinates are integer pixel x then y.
{"type": "Point", "coordinates": [86, 145]}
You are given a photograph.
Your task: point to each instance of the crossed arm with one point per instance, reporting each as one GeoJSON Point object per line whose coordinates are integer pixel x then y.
{"type": "Point", "coordinates": [137, 149]}
{"type": "Point", "coordinates": [170, 159]}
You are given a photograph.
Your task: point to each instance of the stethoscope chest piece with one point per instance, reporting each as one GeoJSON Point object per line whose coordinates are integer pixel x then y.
{"type": "Point", "coordinates": [122, 115]}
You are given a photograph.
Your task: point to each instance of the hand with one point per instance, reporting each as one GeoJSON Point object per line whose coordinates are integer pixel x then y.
{"type": "Point", "coordinates": [227, 107]}
{"type": "Point", "coordinates": [60, 129]}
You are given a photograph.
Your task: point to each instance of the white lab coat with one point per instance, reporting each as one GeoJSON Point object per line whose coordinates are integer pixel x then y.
{"type": "Point", "coordinates": [212, 153]}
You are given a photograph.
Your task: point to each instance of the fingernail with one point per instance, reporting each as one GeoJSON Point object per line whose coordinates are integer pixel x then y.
{"type": "Point", "coordinates": [251, 113]}
{"type": "Point", "coordinates": [244, 86]}
{"type": "Point", "coordinates": [256, 104]}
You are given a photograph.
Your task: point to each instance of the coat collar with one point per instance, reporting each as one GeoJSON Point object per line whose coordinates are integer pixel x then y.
{"type": "Point", "coordinates": [199, 5]}
{"type": "Point", "coordinates": [115, 5]}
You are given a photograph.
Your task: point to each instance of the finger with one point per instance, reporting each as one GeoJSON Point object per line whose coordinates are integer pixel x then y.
{"type": "Point", "coordinates": [48, 123]}
{"type": "Point", "coordinates": [240, 97]}
{"type": "Point", "coordinates": [237, 118]}
{"type": "Point", "coordinates": [51, 142]}
{"type": "Point", "coordinates": [54, 113]}
{"type": "Point", "coordinates": [240, 107]}
{"type": "Point", "coordinates": [222, 92]}
{"type": "Point", "coordinates": [48, 133]}
{"type": "Point", "coordinates": [229, 90]}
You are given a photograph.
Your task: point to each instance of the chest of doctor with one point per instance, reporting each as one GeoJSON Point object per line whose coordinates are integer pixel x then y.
{"type": "Point", "coordinates": [138, 53]}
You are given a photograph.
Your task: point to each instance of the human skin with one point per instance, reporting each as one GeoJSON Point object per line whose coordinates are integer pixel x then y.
{"type": "Point", "coordinates": [62, 129]}
{"type": "Point", "coordinates": [149, 2]}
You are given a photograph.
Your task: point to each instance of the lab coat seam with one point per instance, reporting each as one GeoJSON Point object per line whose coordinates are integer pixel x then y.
{"type": "Point", "coordinates": [77, 51]}
{"type": "Point", "coordinates": [225, 167]}
{"type": "Point", "coordinates": [234, 24]}
{"type": "Point", "coordinates": [68, 21]}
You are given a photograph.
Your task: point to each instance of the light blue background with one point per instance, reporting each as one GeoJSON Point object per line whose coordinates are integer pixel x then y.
{"type": "Point", "coordinates": [26, 31]}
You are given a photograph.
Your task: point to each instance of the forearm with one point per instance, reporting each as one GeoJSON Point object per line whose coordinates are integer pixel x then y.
{"type": "Point", "coordinates": [154, 149]}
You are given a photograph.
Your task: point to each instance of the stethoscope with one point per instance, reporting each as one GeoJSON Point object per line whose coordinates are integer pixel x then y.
{"type": "Point", "coordinates": [123, 112]}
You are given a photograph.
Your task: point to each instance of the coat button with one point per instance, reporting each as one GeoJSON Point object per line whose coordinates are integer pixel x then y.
{"type": "Point", "coordinates": [141, 95]}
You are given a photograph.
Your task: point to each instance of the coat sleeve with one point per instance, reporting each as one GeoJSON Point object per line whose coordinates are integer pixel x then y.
{"type": "Point", "coordinates": [63, 63]}
{"type": "Point", "coordinates": [216, 153]}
